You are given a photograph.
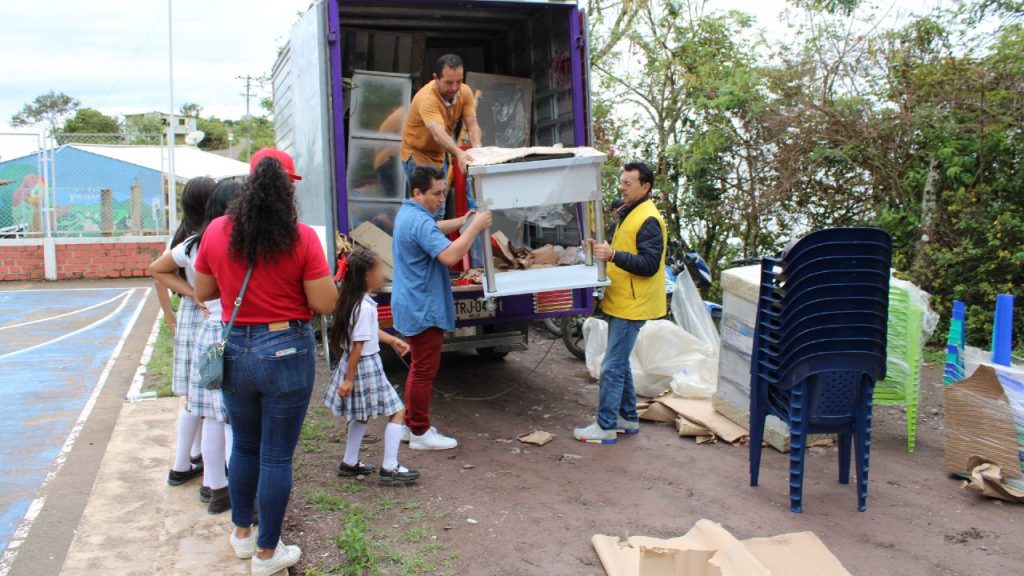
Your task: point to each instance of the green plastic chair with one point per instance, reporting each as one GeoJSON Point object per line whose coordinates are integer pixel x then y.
{"type": "Point", "coordinates": [904, 354]}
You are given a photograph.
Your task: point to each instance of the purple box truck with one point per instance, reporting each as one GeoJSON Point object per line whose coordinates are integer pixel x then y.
{"type": "Point", "coordinates": [340, 89]}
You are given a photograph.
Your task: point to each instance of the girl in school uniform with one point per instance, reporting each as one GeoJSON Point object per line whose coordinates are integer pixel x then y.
{"type": "Point", "coordinates": [359, 389]}
{"type": "Point", "coordinates": [188, 462]}
{"type": "Point", "coordinates": [202, 403]}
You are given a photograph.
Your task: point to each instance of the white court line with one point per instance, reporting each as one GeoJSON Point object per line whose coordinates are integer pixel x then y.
{"type": "Point", "coordinates": [16, 290]}
{"type": "Point", "coordinates": [37, 505]}
{"type": "Point", "coordinates": [48, 318]}
{"type": "Point", "coordinates": [127, 296]}
{"type": "Point", "coordinates": [147, 353]}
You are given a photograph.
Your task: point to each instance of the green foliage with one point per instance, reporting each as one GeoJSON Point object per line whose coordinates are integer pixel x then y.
{"type": "Point", "coordinates": [48, 111]}
{"type": "Point", "coordinates": [848, 122]}
{"type": "Point", "coordinates": [148, 123]}
{"type": "Point", "coordinates": [90, 121]}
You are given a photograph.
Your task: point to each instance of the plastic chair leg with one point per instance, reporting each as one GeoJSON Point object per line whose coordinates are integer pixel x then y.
{"type": "Point", "coordinates": [911, 427]}
{"type": "Point", "coordinates": [758, 415]}
{"type": "Point", "coordinates": [797, 440]}
{"type": "Point", "coordinates": [862, 437]}
{"type": "Point", "coordinates": [845, 443]}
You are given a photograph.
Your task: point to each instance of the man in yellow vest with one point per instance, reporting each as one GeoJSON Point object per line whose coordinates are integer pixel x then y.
{"type": "Point", "coordinates": [636, 268]}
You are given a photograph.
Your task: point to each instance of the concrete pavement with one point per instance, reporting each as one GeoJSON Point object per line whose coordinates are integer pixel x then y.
{"type": "Point", "coordinates": [134, 523]}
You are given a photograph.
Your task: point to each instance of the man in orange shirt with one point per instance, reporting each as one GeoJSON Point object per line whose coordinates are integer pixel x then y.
{"type": "Point", "coordinates": [428, 136]}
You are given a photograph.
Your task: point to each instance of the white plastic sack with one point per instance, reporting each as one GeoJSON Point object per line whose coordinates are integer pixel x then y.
{"type": "Point", "coordinates": [664, 350]}
{"type": "Point", "coordinates": [595, 338]}
{"type": "Point", "coordinates": [690, 313]}
{"type": "Point", "coordinates": [665, 357]}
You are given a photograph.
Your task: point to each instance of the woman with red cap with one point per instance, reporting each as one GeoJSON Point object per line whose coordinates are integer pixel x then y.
{"type": "Point", "coordinates": [271, 271]}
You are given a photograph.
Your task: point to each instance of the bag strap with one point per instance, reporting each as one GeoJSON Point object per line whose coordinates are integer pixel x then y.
{"type": "Point", "coordinates": [238, 301]}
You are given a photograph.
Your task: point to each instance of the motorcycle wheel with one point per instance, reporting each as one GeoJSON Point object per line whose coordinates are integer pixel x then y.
{"type": "Point", "coordinates": [572, 335]}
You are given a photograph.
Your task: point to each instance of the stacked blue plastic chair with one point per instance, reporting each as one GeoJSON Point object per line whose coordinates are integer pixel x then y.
{"type": "Point", "coordinates": [819, 347]}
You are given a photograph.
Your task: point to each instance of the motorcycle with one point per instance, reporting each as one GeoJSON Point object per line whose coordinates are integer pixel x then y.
{"type": "Point", "coordinates": [678, 260]}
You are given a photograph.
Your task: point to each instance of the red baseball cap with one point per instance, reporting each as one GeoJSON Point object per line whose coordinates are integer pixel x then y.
{"type": "Point", "coordinates": [280, 155]}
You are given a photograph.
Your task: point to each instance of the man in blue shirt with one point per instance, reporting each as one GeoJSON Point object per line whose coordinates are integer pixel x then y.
{"type": "Point", "coordinates": [421, 293]}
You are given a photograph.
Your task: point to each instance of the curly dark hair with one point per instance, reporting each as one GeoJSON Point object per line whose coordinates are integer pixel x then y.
{"type": "Point", "coordinates": [264, 218]}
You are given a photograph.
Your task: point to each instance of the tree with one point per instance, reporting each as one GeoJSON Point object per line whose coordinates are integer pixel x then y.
{"type": "Point", "coordinates": [48, 111]}
{"type": "Point", "coordinates": [191, 110]}
{"type": "Point", "coordinates": [91, 121]}
{"type": "Point", "coordinates": [148, 128]}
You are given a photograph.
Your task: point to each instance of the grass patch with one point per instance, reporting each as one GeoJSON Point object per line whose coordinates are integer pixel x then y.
{"type": "Point", "coordinates": [160, 370]}
{"type": "Point", "coordinates": [326, 502]}
{"type": "Point", "coordinates": [352, 487]}
{"type": "Point", "coordinates": [314, 431]}
{"type": "Point", "coordinates": [415, 535]}
{"type": "Point", "coordinates": [355, 541]}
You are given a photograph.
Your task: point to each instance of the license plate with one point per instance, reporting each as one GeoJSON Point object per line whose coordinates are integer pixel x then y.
{"type": "Point", "coordinates": [472, 310]}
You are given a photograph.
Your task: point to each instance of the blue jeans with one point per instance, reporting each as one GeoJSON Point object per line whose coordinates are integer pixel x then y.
{"type": "Point", "coordinates": [268, 379]}
{"type": "Point", "coordinates": [618, 395]}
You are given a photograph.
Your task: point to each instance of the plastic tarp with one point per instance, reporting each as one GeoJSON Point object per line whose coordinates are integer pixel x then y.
{"type": "Point", "coordinates": [665, 357]}
{"type": "Point", "coordinates": [691, 314]}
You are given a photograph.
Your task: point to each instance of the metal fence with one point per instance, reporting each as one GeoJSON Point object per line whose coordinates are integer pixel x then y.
{"type": "Point", "coordinates": [82, 185]}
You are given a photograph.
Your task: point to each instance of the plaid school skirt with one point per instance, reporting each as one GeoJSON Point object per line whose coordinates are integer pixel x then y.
{"type": "Point", "coordinates": [202, 402]}
{"type": "Point", "coordinates": [372, 394]}
{"type": "Point", "coordinates": [190, 319]}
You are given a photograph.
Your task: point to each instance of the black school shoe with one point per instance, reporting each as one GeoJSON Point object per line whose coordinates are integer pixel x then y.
{"type": "Point", "coordinates": [196, 460]}
{"type": "Point", "coordinates": [175, 478]}
{"type": "Point", "coordinates": [400, 475]}
{"type": "Point", "coordinates": [204, 494]}
{"type": "Point", "coordinates": [220, 501]}
{"type": "Point", "coordinates": [360, 469]}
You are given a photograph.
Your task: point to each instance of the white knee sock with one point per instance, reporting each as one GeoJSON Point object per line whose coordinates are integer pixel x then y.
{"type": "Point", "coordinates": [229, 441]}
{"type": "Point", "coordinates": [197, 443]}
{"type": "Point", "coordinates": [392, 440]}
{"type": "Point", "coordinates": [213, 454]}
{"type": "Point", "coordinates": [356, 429]}
{"type": "Point", "coordinates": [188, 424]}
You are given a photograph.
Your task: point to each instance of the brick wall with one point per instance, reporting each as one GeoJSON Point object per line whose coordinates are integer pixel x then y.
{"type": "Point", "coordinates": [80, 258]}
{"type": "Point", "coordinates": [120, 260]}
{"type": "Point", "coordinates": [21, 262]}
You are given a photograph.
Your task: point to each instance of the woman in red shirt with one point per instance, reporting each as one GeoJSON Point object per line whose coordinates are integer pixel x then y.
{"type": "Point", "coordinates": [269, 360]}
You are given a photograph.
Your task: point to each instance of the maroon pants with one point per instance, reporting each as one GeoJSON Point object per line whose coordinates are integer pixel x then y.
{"type": "Point", "coordinates": [425, 356]}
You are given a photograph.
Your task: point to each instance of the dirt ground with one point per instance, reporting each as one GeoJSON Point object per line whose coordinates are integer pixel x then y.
{"type": "Point", "coordinates": [496, 507]}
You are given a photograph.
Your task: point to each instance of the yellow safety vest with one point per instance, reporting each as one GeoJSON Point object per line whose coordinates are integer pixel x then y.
{"type": "Point", "coordinates": [630, 296]}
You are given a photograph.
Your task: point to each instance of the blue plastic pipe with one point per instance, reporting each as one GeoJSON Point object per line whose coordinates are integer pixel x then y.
{"type": "Point", "coordinates": [1002, 330]}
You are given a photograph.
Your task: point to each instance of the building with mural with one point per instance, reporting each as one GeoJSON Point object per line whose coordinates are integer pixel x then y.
{"type": "Point", "coordinates": [97, 189]}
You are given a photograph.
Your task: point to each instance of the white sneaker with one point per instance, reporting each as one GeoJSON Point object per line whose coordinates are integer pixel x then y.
{"type": "Point", "coordinates": [407, 433]}
{"type": "Point", "coordinates": [594, 434]}
{"type": "Point", "coordinates": [284, 557]}
{"type": "Point", "coordinates": [244, 547]}
{"type": "Point", "coordinates": [432, 440]}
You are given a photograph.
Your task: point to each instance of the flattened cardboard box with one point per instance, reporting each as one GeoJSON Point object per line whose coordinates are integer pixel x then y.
{"type": "Point", "coordinates": [979, 425]}
{"type": "Point", "coordinates": [710, 550]}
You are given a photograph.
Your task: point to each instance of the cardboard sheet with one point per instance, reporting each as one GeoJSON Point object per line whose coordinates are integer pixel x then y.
{"type": "Point", "coordinates": [535, 437]}
{"type": "Point", "coordinates": [369, 236]}
{"type": "Point", "coordinates": [710, 550]}
{"type": "Point", "coordinates": [697, 413]}
{"type": "Point", "coordinates": [979, 424]}
{"type": "Point", "coordinates": [987, 479]}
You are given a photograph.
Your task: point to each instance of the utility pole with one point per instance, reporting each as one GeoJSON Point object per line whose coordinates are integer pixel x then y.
{"type": "Point", "coordinates": [250, 83]}
{"type": "Point", "coordinates": [172, 188]}
{"type": "Point", "coordinates": [248, 117]}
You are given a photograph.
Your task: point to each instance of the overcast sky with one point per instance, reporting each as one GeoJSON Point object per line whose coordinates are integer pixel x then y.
{"type": "Point", "coordinates": [112, 54]}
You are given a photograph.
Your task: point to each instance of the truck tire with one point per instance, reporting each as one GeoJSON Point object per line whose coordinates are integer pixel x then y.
{"type": "Point", "coordinates": [493, 352]}
{"type": "Point", "coordinates": [572, 335]}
